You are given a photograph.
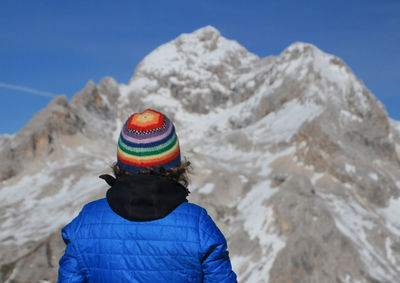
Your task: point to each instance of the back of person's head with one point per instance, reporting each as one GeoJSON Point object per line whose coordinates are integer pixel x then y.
{"type": "Point", "coordinates": [148, 144]}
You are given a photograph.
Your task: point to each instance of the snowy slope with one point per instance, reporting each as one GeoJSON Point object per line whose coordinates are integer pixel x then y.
{"type": "Point", "coordinates": [395, 134]}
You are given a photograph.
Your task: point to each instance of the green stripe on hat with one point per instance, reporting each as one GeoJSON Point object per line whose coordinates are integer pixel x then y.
{"type": "Point", "coordinates": [143, 151]}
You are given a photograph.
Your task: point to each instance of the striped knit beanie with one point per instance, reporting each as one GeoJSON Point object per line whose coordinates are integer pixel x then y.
{"type": "Point", "coordinates": [148, 139]}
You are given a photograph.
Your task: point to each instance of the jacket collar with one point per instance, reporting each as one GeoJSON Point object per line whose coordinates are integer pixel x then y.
{"type": "Point", "coordinates": [141, 197]}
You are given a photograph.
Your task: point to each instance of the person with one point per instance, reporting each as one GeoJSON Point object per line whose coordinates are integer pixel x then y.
{"type": "Point", "coordinates": [145, 230]}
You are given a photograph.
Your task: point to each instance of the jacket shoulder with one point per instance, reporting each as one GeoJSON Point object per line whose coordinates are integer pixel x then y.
{"type": "Point", "coordinates": [191, 208]}
{"type": "Point", "coordinates": [94, 206]}
{"type": "Point", "coordinates": [88, 212]}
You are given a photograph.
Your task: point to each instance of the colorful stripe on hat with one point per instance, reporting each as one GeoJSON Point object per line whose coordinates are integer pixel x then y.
{"type": "Point", "coordinates": [148, 139]}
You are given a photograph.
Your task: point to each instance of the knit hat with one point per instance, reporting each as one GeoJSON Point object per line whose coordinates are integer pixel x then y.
{"type": "Point", "coordinates": [148, 139]}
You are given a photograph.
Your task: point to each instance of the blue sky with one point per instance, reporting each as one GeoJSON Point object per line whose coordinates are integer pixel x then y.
{"type": "Point", "coordinates": [55, 47]}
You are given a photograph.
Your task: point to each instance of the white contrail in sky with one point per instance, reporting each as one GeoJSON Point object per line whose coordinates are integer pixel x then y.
{"type": "Point", "coordinates": [27, 89]}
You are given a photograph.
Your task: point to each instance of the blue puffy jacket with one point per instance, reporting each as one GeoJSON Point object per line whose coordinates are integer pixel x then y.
{"type": "Point", "coordinates": [137, 236]}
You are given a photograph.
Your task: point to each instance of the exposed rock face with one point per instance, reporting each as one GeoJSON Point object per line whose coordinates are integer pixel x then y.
{"type": "Point", "coordinates": [97, 106]}
{"type": "Point", "coordinates": [395, 134]}
{"type": "Point", "coordinates": [39, 136]}
{"type": "Point", "coordinates": [91, 112]}
{"type": "Point", "coordinates": [312, 237]}
{"type": "Point", "coordinates": [38, 265]}
{"type": "Point", "coordinates": [294, 158]}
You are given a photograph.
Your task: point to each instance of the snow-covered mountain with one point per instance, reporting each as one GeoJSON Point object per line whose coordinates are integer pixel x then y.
{"type": "Point", "coordinates": [294, 158]}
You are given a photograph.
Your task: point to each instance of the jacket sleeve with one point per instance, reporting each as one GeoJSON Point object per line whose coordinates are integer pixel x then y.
{"type": "Point", "coordinates": [69, 270]}
{"type": "Point", "coordinates": [216, 264]}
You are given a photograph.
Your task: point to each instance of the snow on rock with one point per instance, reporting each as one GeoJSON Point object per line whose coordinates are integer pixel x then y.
{"type": "Point", "coordinates": [280, 127]}
{"type": "Point", "coordinates": [185, 53]}
{"type": "Point", "coordinates": [259, 223]}
{"type": "Point", "coordinates": [350, 168]}
{"type": "Point", "coordinates": [389, 251]}
{"type": "Point", "coordinates": [391, 214]}
{"type": "Point", "coordinates": [395, 134]}
{"type": "Point", "coordinates": [395, 124]}
{"type": "Point", "coordinates": [347, 115]}
{"type": "Point", "coordinates": [334, 82]}
{"type": "Point", "coordinates": [37, 197]}
{"type": "Point", "coordinates": [373, 176]}
{"type": "Point", "coordinates": [253, 205]}
{"type": "Point", "coordinates": [198, 69]}
{"type": "Point", "coordinates": [206, 189]}
{"type": "Point", "coordinates": [356, 223]}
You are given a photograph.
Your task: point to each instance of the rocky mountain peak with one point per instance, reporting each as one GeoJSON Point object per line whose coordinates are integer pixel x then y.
{"type": "Point", "coordinates": [40, 136]}
{"type": "Point", "coordinates": [96, 103]}
{"type": "Point", "coordinates": [202, 49]}
{"type": "Point", "coordinates": [57, 117]}
{"type": "Point", "coordinates": [197, 69]}
{"type": "Point", "coordinates": [61, 118]}
{"type": "Point", "coordinates": [97, 97]}
{"type": "Point", "coordinates": [206, 32]}
{"type": "Point", "coordinates": [327, 78]}
{"type": "Point", "coordinates": [303, 49]}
